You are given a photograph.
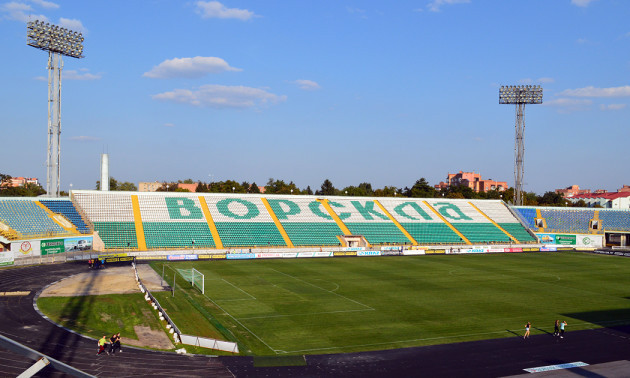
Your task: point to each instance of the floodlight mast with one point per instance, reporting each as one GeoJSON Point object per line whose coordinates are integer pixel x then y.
{"type": "Point", "coordinates": [57, 41]}
{"type": "Point", "coordinates": [520, 95]}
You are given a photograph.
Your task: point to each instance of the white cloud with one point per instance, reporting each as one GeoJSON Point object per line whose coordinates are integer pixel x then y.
{"type": "Point", "coordinates": [612, 106]}
{"type": "Point", "coordinates": [189, 67]}
{"type": "Point", "coordinates": [214, 9]}
{"type": "Point", "coordinates": [169, 125]}
{"type": "Point", "coordinates": [360, 12]}
{"type": "Point", "coordinates": [76, 75]}
{"type": "Point", "coordinates": [568, 105]}
{"type": "Point", "coordinates": [20, 12]}
{"type": "Point", "coordinates": [307, 85]}
{"type": "Point", "coordinates": [525, 81]}
{"type": "Point", "coordinates": [581, 3]}
{"type": "Point", "coordinates": [582, 41]}
{"type": "Point", "coordinates": [45, 4]}
{"type": "Point", "coordinates": [546, 80]}
{"type": "Point", "coordinates": [221, 96]}
{"type": "Point", "coordinates": [72, 24]}
{"type": "Point", "coordinates": [434, 6]}
{"type": "Point", "coordinates": [591, 91]}
{"type": "Point", "coordinates": [84, 138]}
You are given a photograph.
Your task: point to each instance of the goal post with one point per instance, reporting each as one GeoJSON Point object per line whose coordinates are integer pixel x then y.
{"type": "Point", "coordinates": [198, 280]}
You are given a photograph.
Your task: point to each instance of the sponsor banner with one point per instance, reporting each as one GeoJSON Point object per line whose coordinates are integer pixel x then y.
{"type": "Point", "coordinates": [547, 238]}
{"type": "Point", "coordinates": [181, 257]}
{"type": "Point", "coordinates": [26, 248]}
{"type": "Point", "coordinates": [83, 243]}
{"type": "Point", "coordinates": [565, 239]}
{"type": "Point", "coordinates": [306, 254]}
{"type": "Point", "coordinates": [51, 246]}
{"type": "Point", "coordinates": [415, 247]}
{"type": "Point", "coordinates": [212, 256]}
{"type": "Point", "coordinates": [531, 249]}
{"type": "Point", "coordinates": [348, 253]}
{"type": "Point", "coordinates": [369, 253]}
{"type": "Point", "coordinates": [150, 257]}
{"type": "Point", "coordinates": [118, 259]}
{"type": "Point", "coordinates": [112, 255]}
{"type": "Point", "coordinates": [392, 253]}
{"type": "Point", "coordinates": [472, 250]}
{"type": "Point", "coordinates": [6, 258]}
{"type": "Point", "coordinates": [354, 249]}
{"type": "Point", "coordinates": [240, 256]}
{"type": "Point", "coordinates": [414, 252]}
{"type": "Point", "coordinates": [268, 255]}
{"type": "Point", "coordinates": [578, 240]}
{"type": "Point", "coordinates": [565, 249]}
{"type": "Point", "coordinates": [289, 255]}
{"type": "Point", "coordinates": [323, 254]}
{"type": "Point", "coordinates": [391, 248]}
{"type": "Point", "coordinates": [548, 248]}
{"type": "Point", "coordinates": [435, 251]}
{"type": "Point", "coordinates": [496, 250]}
{"type": "Point", "coordinates": [513, 249]}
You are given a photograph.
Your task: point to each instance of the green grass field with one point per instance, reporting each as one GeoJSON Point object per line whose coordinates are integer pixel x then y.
{"type": "Point", "coordinates": [331, 305]}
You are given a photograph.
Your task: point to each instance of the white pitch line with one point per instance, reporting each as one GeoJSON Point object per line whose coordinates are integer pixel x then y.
{"type": "Point", "coordinates": [306, 314]}
{"type": "Point", "coordinates": [239, 289]}
{"type": "Point", "coordinates": [397, 342]}
{"type": "Point", "coordinates": [331, 292]}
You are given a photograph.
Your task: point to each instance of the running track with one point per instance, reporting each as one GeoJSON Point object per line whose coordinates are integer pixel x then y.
{"type": "Point", "coordinates": [491, 358]}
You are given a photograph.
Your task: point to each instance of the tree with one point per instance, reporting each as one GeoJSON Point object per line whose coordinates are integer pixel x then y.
{"type": "Point", "coordinates": [281, 187]}
{"type": "Point", "coordinates": [115, 186]}
{"type": "Point", "coordinates": [309, 191]}
{"type": "Point", "coordinates": [28, 190]}
{"type": "Point", "coordinates": [4, 180]}
{"type": "Point", "coordinates": [253, 188]}
{"type": "Point", "coordinates": [327, 189]}
{"type": "Point", "coordinates": [552, 199]}
{"type": "Point", "coordinates": [388, 191]}
{"type": "Point", "coordinates": [421, 189]}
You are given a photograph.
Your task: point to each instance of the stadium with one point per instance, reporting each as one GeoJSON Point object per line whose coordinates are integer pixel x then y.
{"type": "Point", "coordinates": [284, 281]}
{"type": "Point", "coordinates": [230, 284]}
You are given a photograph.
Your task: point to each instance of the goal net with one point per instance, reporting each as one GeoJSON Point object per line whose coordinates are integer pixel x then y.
{"type": "Point", "coordinates": [198, 280]}
{"type": "Point", "coordinates": [195, 277]}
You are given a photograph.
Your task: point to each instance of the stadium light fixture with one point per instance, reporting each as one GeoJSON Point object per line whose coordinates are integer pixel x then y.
{"type": "Point", "coordinates": [57, 41]}
{"type": "Point", "coordinates": [520, 95]}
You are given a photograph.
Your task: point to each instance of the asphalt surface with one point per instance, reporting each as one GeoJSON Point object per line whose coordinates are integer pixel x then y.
{"type": "Point", "coordinates": [491, 358]}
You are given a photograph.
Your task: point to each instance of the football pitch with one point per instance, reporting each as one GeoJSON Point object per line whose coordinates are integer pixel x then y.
{"type": "Point", "coordinates": [335, 305]}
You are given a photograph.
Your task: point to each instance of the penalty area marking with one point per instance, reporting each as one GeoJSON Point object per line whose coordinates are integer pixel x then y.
{"type": "Point", "coordinates": [320, 288]}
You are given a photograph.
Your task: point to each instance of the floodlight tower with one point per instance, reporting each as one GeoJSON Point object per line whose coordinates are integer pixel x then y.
{"type": "Point", "coordinates": [520, 95]}
{"type": "Point", "coordinates": [57, 41]}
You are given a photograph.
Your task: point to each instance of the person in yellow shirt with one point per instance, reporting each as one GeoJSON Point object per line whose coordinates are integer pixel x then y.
{"type": "Point", "coordinates": [101, 345]}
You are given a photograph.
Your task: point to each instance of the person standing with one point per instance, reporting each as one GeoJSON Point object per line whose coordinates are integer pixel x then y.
{"type": "Point", "coordinates": [556, 328]}
{"type": "Point", "coordinates": [101, 345]}
{"type": "Point", "coordinates": [112, 342]}
{"type": "Point", "coordinates": [562, 329]}
{"type": "Point", "coordinates": [527, 327]}
{"type": "Point", "coordinates": [117, 342]}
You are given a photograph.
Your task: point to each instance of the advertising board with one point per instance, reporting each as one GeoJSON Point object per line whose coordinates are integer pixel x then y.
{"type": "Point", "coordinates": [6, 258]}
{"type": "Point", "coordinates": [369, 253]}
{"type": "Point", "coordinates": [347, 253]}
{"type": "Point", "coordinates": [414, 252]}
{"type": "Point", "coordinates": [240, 256]}
{"type": "Point", "coordinates": [83, 243]}
{"type": "Point", "coordinates": [181, 257]}
{"type": "Point", "coordinates": [51, 246]}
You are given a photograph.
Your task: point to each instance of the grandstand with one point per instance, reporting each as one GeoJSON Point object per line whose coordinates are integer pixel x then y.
{"type": "Point", "coordinates": [161, 220]}
{"type": "Point", "coordinates": [27, 218]}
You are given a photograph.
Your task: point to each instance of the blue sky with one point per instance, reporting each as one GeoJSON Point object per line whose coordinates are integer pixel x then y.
{"type": "Point", "coordinates": [383, 92]}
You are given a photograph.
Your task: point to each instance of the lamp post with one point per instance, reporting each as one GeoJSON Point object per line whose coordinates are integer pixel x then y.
{"type": "Point", "coordinates": [57, 41]}
{"type": "Point", "coordinates": [519, 95]}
